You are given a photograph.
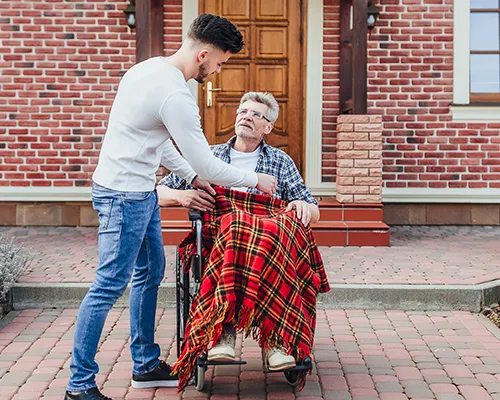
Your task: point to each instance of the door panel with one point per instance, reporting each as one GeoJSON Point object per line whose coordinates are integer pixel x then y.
{"type": "Point", "coordinates": [271, 61]}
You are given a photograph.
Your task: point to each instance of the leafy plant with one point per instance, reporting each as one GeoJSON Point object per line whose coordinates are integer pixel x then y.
{"type": "Point", "coordinates": [13, 261]}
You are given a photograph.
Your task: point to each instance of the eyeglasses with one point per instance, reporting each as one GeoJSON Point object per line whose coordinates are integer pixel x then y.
{"type": "Point", "coordinates": [254, 114]}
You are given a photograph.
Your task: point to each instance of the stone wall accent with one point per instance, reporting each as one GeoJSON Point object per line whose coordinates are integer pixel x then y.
{"type": "Point", "coordinates": [48, 214]}
{"type": "Point", "coordinates": [359, 159]}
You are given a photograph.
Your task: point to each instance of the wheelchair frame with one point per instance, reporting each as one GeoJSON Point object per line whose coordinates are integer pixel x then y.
{"type": "Point", "coordinates": [185, 293]}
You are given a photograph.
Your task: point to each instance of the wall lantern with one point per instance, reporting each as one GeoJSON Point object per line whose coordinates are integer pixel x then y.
{"type": "Point", "coordinates": [130, 14]}
{"type": "Point", "coordinates": [373, 14]}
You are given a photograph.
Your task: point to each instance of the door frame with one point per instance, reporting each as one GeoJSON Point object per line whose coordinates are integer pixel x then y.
{"type": "Point", "coordinates": [313, 90]}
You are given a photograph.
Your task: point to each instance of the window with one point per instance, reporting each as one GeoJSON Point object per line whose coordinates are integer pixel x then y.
{"type": "Point", "coordinates": [476, 60]}
{"type": "Point", "coordinates": [484, 51]}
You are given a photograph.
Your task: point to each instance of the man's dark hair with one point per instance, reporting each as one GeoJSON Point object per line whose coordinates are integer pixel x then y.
{"type": "Point", "coordinates": [217, 31]}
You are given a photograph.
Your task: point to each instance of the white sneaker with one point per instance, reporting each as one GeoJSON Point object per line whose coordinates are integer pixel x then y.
{"type": "Point", "coordinates": [224, 349]}
{"type": "Point", "coordinates": [278, 360]}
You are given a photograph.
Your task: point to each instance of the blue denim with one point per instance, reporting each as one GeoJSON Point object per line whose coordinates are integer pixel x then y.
{"type": "Point", "coordinates": [130, 246]}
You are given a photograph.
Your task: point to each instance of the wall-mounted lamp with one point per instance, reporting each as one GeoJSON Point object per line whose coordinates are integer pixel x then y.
{"type": "Point", "coordinates": [373, 14]}
{"type": "Point", "coordinates": [130, 14]}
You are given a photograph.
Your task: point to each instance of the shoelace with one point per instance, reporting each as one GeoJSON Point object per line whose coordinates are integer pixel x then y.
{"type": "Point", "coordinates": [275, 350]}
{"type": "Point", "coordinates": [227, 339]}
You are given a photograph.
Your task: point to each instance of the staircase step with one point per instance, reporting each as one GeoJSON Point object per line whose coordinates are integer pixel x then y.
{"type": "Point", "coordinates": [326, 233]}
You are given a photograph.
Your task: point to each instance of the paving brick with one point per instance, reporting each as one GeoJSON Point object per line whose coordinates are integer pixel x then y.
{"type": "Point", "coordinates": [383, 387]}
{"type": "Point", "coordinates": [418, 392]}
{"type": "Point", "coordinates": [443, 388]}
{"type": "Point", "coordinates": [392, 396]}
{"type": "Point", "coordinates": [474, 393]}
{"type": "Point", "coordinates": [336, 395]}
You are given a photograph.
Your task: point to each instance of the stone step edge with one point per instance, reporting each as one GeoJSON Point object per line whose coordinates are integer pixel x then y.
{"type": "Point", "coordinates": [471, 298]}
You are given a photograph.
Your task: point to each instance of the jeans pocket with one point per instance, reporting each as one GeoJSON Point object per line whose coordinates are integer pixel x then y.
{"type": "Point", "coordinates": [103, 208]}
{"type": "Point", "coordinates": [137, 196]}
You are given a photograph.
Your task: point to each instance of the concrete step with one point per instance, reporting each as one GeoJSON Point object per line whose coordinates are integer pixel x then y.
{"type": "Point", "coordinates": [340, 225]}
{"type": "Point", "coordinates": [342, 296]}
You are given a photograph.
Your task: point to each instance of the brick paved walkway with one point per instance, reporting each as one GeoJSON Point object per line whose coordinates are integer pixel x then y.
{"type": "Point", "coordinates": [418, 255]}
{"type": "Point", "coordinates": [359, 355]}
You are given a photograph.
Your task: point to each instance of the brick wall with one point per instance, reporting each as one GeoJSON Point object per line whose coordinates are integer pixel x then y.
{"type": "Point", "coordinates": [61, 63]}
{"type": "Point", "coordinates": [359, 164]}
{"type": "Point", "coordinates": [60, 68]}
{"type": "Point", "coordinates": [173, 26]}
{"type": "Point", "coordinates": [411, 85]}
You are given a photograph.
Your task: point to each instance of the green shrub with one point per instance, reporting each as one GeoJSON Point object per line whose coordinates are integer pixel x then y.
{"type": "Point", "coordinates": [13, 261]}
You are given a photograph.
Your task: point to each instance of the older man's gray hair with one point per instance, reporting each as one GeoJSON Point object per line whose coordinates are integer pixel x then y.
{"type": "Point", "coordinates": [264, 98]}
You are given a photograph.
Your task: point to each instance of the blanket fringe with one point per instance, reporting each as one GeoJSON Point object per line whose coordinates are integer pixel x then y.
{"type": "Point", "coordinates": [199, 334]}
{"type": "Point", "coordinates": [209, 328]}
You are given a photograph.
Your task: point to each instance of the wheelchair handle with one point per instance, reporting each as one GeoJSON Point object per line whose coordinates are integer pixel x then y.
{"type": "Point", "coordinates": [194, 215]}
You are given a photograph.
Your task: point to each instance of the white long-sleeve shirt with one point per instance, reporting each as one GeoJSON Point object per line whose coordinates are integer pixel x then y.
{"type": "Point", "coordinates": [154, 104]}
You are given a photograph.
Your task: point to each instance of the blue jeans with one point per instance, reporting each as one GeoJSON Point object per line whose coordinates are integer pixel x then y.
{"type": "Point", "coordinates": [130, 246]}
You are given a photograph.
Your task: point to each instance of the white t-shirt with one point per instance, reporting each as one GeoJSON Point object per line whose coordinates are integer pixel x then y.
{"type": "Point", "coordinates": [245, 161]}
{"type": "Point", "coordinates": [152, 105]}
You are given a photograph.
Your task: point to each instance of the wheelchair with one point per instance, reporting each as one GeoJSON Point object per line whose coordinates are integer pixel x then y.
{"type": "Point", "coordinates": [187, 285]}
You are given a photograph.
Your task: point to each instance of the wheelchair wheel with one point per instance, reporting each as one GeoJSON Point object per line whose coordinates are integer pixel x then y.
{"type": "Point", "coordinates": [199, 379]}
{"type": "Point", "coordinates": [183, 301]}
{"type": "Point", "coordinates": [292, 378]}
{"type": "Point", "coordinates": [178, 302]}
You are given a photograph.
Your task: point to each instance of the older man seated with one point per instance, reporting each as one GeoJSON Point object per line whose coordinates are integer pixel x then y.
{"type": "Point", "coordinates": [255, 119]}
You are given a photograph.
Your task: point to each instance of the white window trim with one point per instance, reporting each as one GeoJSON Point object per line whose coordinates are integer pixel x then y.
{"type": "Point", "coordinates": [461, 55]}
{"type": "Point", "coordinates": [461, 110]}
{"type": "Point", "coordinates": [314, 101]}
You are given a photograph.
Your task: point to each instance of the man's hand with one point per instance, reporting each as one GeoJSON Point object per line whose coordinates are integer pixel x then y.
{"type": "Point", "coordinates": [203, 185]}
{"type": "Point", "coordinates": [187, 198]}
{"type": "Point", "coordinates": [302, 210]}
{"type": "Point", "coordinates": [267, 184]}
{"type": "Point", "coordinates": [195, 199]}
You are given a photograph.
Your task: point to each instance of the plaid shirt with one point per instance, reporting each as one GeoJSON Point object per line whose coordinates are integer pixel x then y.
{"type": "Point", "coordinates": [272, 161]}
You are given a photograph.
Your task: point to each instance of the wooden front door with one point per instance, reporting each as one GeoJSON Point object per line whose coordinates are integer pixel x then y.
{"type": "Point", "coordinates": [271, 61]}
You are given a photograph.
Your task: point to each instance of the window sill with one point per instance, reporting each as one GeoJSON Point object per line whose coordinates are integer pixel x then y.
{"type": "Point", "coordinates": [476, 113]}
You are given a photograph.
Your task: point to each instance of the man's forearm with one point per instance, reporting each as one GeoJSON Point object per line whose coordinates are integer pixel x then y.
{"type": "Point", "coordinates": [168, 197]}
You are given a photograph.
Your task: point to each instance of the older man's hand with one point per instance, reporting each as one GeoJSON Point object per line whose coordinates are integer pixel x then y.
{"type": "Point", "coordinates": [302, 210]}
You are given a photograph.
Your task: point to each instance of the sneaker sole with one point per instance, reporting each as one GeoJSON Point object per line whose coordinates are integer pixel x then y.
{"type": "Point", "coordinates": [282, 367]}
{"type": "Point", "coordinates": [220, 357]}
{"type": "Point", "coordinates": [154, 384]}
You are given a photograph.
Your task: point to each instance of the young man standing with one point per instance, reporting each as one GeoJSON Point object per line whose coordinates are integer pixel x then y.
{"type": "Point", "coordinates": [152, 106]}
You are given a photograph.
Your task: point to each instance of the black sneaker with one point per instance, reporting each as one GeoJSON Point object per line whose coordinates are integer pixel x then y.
{"type": "Point", "coordinates": [91, 394]}
{"type": "Point", "coordinates": [159, 377]}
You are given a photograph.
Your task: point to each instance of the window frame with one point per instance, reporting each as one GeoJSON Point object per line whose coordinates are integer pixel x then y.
{"type": "Point", "coordinates": [483, 97]}
{"type": "Point", "coordinates": [467, 107]}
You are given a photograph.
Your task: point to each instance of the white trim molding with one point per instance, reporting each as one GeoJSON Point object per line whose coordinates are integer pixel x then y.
{"type": "Point", "coordinates": [189, 13]}
{"type": "Point", "coordinates": [408, 195]}
{"type": "Point", "coordinates": [314, 100]}
{"type": "Point", "coordinates": [16, 193]}
{"type": "Point", "coordinates": [461, 54]}
{"type": "Point", "coordinates": [475, 113]}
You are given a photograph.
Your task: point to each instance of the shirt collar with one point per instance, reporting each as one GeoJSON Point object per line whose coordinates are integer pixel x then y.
{"type": "Point", "coordinates": [229, 144]}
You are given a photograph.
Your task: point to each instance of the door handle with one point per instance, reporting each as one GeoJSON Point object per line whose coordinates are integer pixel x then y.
{"type": "Point", "coordinates": [210, 89]}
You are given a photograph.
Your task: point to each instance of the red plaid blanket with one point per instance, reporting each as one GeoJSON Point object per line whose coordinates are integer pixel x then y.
{"type": "Point", "coordinates": [262, 273]}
